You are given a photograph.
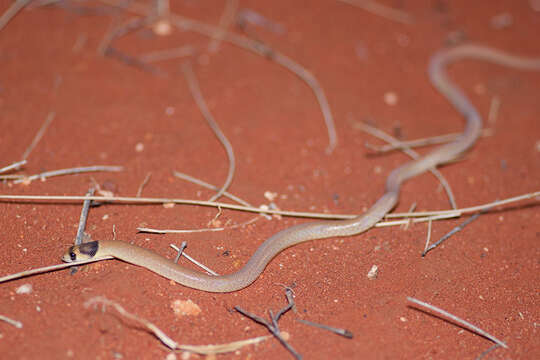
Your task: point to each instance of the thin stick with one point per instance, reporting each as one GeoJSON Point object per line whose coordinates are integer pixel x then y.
{"type": "Point", "coordinates": [461, 322]}
{"type": "Point", "coordinates": [411, 209]}
{"type": "Point", "coordinates": [202, 266]}
{"type": "Point", "coordinates": [470, 209]}
{"type": "Point", "coordinates": [343, 332]}
{"type": "Point", "coordinates": [135, 200]}
{"type": "Point", "coordinates": [195, 90]}
{"type": "Point", "coordinates": [270, 328]}
{"type": "Point", "coordinates": [189, 231]}
{"type": "Point", "coordinates": [82, 223]}
{"type": "Point", "coordinates": [183, 246]}
{"type": "Point", "coordinates": [12, 11]}
{"type": "Point", "coordinates": [133, 61]}
{"type": "Point", "coordinates": [143, 184]}
{"type": "Point", "coordinates": [260, 49]}
{"type": "Point", "coordinates": [450, 233]}
{"type": "Point", "coordinates": [411, 153]}
{"type": "Point", "coordinates": [227, 17]}
{"type": "Point", "coordinates": [381, 10]}
{"type": "Point", "coordinates": [428, 238]}
{"type": "Point", "coordinates": [50, 117]}
{"type": "Point", "coordinates": [15, 323]}
{"type": "Point", "coordinates": [490, 349]}
{"type": "Point", "coordinates": [15, 165]}
{"type": "Point", "coordinates": [273, 326]}
{"type": "Point", "coordinates": [170, 343]}
{"type": "Point", "coordinates": [84, 216]}
{"type": "Point", "coordinates": [209, 186]}
{"type": "Point", "coordinates": [70, 171]}
{"type": "Point", "coordinates": [50, 268]}
{"type": "Point", "coordinates": [167, 54]}
{"type": "Point", "coordinates": [222, 348]}
{"type": "Point", "coordinates": [11, 177]}
{"type": "Point", "coordinates": [434, 140]}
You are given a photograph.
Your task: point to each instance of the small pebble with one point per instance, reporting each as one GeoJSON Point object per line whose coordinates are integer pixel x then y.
{"type": "Point", "coordinates": [185, 307]}
{"type": "Point", "coordinates": [24, 289]}
{"type": "Point", "coordinates": [390, 98]}
{"type": "Point", "coordinates": [373, 272]}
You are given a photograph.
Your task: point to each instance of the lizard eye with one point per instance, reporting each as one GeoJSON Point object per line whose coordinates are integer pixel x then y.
{"type": "Point", "coordinates": [73, 256]}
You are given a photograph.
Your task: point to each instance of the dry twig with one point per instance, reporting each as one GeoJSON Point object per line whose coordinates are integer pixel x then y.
{"type": "Point", "coordinates": [459, 321]}
{"type": "Point", "coordinates": [195, 90]}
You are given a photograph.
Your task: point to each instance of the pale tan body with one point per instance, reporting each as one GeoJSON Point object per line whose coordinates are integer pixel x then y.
{"type": "Point", "coordinates": [325, 229]}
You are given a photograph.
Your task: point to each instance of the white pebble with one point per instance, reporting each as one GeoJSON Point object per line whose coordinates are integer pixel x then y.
{"type": "Point", "coordinates": [373, 272]}
{"type": "Point", "coordinates": [390, 98]}
{"type": "Point", "coordinates": [24, 289]}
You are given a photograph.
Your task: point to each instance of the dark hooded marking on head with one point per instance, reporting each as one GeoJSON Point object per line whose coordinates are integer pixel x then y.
{"type": "Point", "coordinates": [89, 249]}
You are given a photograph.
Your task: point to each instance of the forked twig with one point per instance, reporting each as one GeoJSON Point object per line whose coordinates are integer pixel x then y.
{"type": "Point", "coordinates": [272, 326]}
{"type": "Point", "coordinates": [450, 233]}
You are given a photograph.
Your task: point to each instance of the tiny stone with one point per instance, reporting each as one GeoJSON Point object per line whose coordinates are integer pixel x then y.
{"type": "Point", "coordinates": [139, 147]}
{"type": "Point", "coordinates": [373, 272]}
{"type": "Point", "coordinates": [162, 28]}
{"type": "Point", "coordinates": [24, 289]}
{"type": "Point", "coordinates": [390, 98]}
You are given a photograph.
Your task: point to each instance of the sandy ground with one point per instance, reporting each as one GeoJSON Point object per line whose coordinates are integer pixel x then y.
{"type": "Point", "coordinates": [112, 113]}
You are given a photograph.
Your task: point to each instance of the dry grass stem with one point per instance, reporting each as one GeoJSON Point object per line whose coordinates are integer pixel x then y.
{"type": "Point", "coordinates": [14, 166]}
{"type": "Point", "coordinates": [411, 153]}
{"type": "Point", "coordinates": [143, 184]}
{"type": "Point", "coordinates": [435, 214]}
{"type": "Point", "coordinates": [15, 323]}
{"type": "Point", "coordinates": [202, 266]}
{"type": "Point", "coordinates": [434, 140]}
{"type": "Point", "coordinates": [12, 11]}
{"type": "Point", "coordinates": [195, 90]}
{"type": "Point", "coordinates": [49, 269]}
{"type": "Point", "coordinates": [188, 231]}
{"type": "Point", "coordinates": [166, 340]}
{"type": "Point", "coordinates": [70, 171]}
{"type": "Point", "coordinates": [381, 10]}
{"type": "Point", "coordinates": [50, 117]}
{"type": "Point", "coordinates": [226, 19]}
{"type": "Point", "coordinates": [459, 321]}
{"type": "Point", "coordinates": [451, 232]}
{"type": "Point", "coordinates": [170, 343]}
